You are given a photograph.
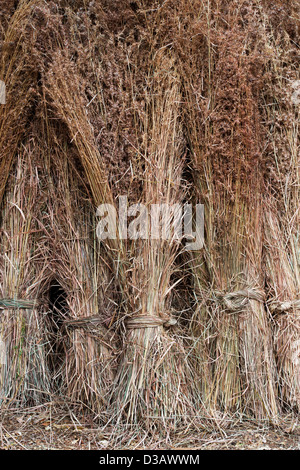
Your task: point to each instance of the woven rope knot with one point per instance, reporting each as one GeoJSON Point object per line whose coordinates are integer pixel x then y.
{"type": "Point", "coordinates": [238, 300]}
{"type": "Point", "coordinates": [284, 307]}
{"type": "Point", "coordinates": [17, 304]}
{"type": "Point", "coordinates": [149, 321]}
{"type": "Point", "coordinates": [86, 323]}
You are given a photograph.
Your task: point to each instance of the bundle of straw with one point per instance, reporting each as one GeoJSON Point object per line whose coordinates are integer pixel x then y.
{"type": "Point", "coordinates": [81, 266]}
{"type": "Point", "coordinates": [63, 88]}
{"type": "Point", "coordinates": [280, 112]}
{"type": "Point", "coordinates": [84, 371]}
{"type": "Point", "coordinates": [24, 372]}
{"type": "Point", "coordinates": [283, 300]}
{"type": "Point", "coordinates": [154, 380]}
{"type": "Point", "coordinates": [224, 140]}
{"type": "Point", "coordinates": [19, 78]}
{"type": "Point", "coordinates": [167, 395]}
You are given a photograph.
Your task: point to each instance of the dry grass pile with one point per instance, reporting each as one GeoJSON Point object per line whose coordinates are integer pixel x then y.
{"type": "Point", "coordinates": [154, 379]}
{"type": "Point", "coordinates": [85, 370]}
{"type": "Point", "coordinates": [280, 114]}
{"type": "Point", "coordinates": [162, 102]}
{"type": "Point", "coordinates": [25, 376]}
{"type": "Point", "coordinates": [223, 74]}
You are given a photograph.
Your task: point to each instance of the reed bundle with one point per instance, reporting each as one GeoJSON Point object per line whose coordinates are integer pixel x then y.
{"type": "Point", "coordinates": [283, 281]}
{"type": "Point", "coordinates": [19, 77]}
{"type": "Point", "coordinates": [63, 86]}
{"type": "Point", "coordinates": [154, 379]}
{"type": "Point", "coordinates": [149, 351]}
{"type": "Point", "coordinates": [24, 373]}
{"type": "Point", "coordinates": [280, 112]}
{"type": "Point", "coordinates": [86, 370]}
{"type": "Point", "coordinates": [222, 120]}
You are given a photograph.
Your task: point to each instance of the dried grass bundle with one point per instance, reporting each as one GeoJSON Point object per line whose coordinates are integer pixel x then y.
{"type": "Point", "coordinates": [280, 113]}
{"type": "Point", "coordinates": [63, 88]}
{"type": "Point", "coordinates": [19, 77]}
{"type": "Point", "coordinates": [123, 83]}
{"type": "Point", "coordinates": [154, 380]}
{"type": "Point", "coordinates": [24, 373]}
{"type": "Point", "coordinates": [221, 84]}
{"type": "Point", "coordinates": [85, 369]}
{"type": "Point", "coordinates": [283, 281]}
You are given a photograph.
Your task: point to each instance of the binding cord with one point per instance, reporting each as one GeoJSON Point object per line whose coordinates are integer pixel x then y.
{"type": "Point", "coordinates": [149, 321]}
{"type": "Point", "coordinates": [286, 307]}
{"type": "Point", "coordinates": [17, 304]}
{"type": "Point", "coordinates": [237, 301]}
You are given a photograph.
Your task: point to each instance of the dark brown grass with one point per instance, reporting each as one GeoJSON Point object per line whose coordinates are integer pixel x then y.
{"type": "Point", "coordinates": [132, 98]}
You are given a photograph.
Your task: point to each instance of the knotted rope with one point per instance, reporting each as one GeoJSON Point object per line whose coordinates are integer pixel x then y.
{"type": "Point", "coordinates": [238, 300]}
{"type": "Point", "coordinates": [149, 321]}
{"type": "Point", "coordinates": [17, 304]}
{"type": "Point", "coordinates": [84, 322]}
{"type": "Point", "coordinates": [141, 321]}
{"type": "Point", "coordinates": [277, 307]}
{"type": "Point", "coordinates": [90, 326]}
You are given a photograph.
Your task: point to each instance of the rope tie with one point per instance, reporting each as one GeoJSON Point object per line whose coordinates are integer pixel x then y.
{"type": "Point", "coordinates": [237, 301]}
{"type": "Point", "coordinates": [17, 304]}
{"type": "Point", "coordinates": [142, 321]}
{"type": "Point", "coordinates": [149, 321]}
{"type": "Point", "coordinates": [85, 322]}
{"type": "Point", "coordinates": [284, 307]}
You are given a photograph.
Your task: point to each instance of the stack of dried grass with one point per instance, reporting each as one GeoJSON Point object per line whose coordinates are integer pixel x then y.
{"type": "Point", "coordinates": [223, 76]}
{"type": "Point", "coordinates": [124, 87]}
{"type": "Point", "coordinates": [135, 264]}
{"type": "Point", "coordinates": [154, 380]}
{"type": "Point", "coordinates": [24, 374]}
{"type": "Point", "coordinates": [85, 371]}
{"type": "Point", "coordinates": [17, 73]}
{"type": "Point", "coordinates": [25, 377]}
{"type": "Point", "coordinates": [81, 267]}
{"type": "Point", "coordinates": [64, 87]}
{"type": "Point", "coordinates": [280, 112]}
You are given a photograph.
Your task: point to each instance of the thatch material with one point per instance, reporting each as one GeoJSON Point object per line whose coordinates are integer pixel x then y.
{"type": "Point", "coordinates": [283, 279]}
{"type": "Point", "coordinates": [85, 373]}
{"type": "Point", "coordinates": [280, 111]}
{"type": "Point", "coordinates": [224, 137]}
{"type": "Point", "coordinates": [132, 98]}
{"type": "Point", "coordinates": [159, 158]}
{"type": "Point", "coordinates": [74, 116]}
{"type": "Point", "coordinates": [19, 77]}
{"type": "Point", "coordinates": [154, 380]}
{"type": "Point", "coordinates": [24, 374]}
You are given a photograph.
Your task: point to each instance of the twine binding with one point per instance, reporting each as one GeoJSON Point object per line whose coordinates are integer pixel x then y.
{"type": "Point", "coordinates": [142, 321]}
{"type": "Point", "coordinates": [17, 304]}
{"type": "Point", "coordinates": [84, 322]}
{"type": "Point", "coordinates": [149, 321]}
{"type": "Point", "coordinates": [238, 300]}
{"type": "Point", "coordinates": [289, 306]}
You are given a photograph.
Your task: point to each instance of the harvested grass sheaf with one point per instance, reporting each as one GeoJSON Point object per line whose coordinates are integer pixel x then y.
{"type": "Point", "coordinates": [63, 86]}
{"type": "Point", "coordinates": [280, 112]}
{"type": "Point", "coordinates": [163, 102]}
{"type": "Point", "coordinates": [24, 374]}
{"type": "Point", "coordinates": [86, 369]}
{"type": "Point", "coordinates": [154, 380]}
{"type": "Point", "coordinates": [283, 304]}
{"type": "Point", "coordinates": [19, 76]}
{"type": "Point", "coordinates": [224, 133]}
